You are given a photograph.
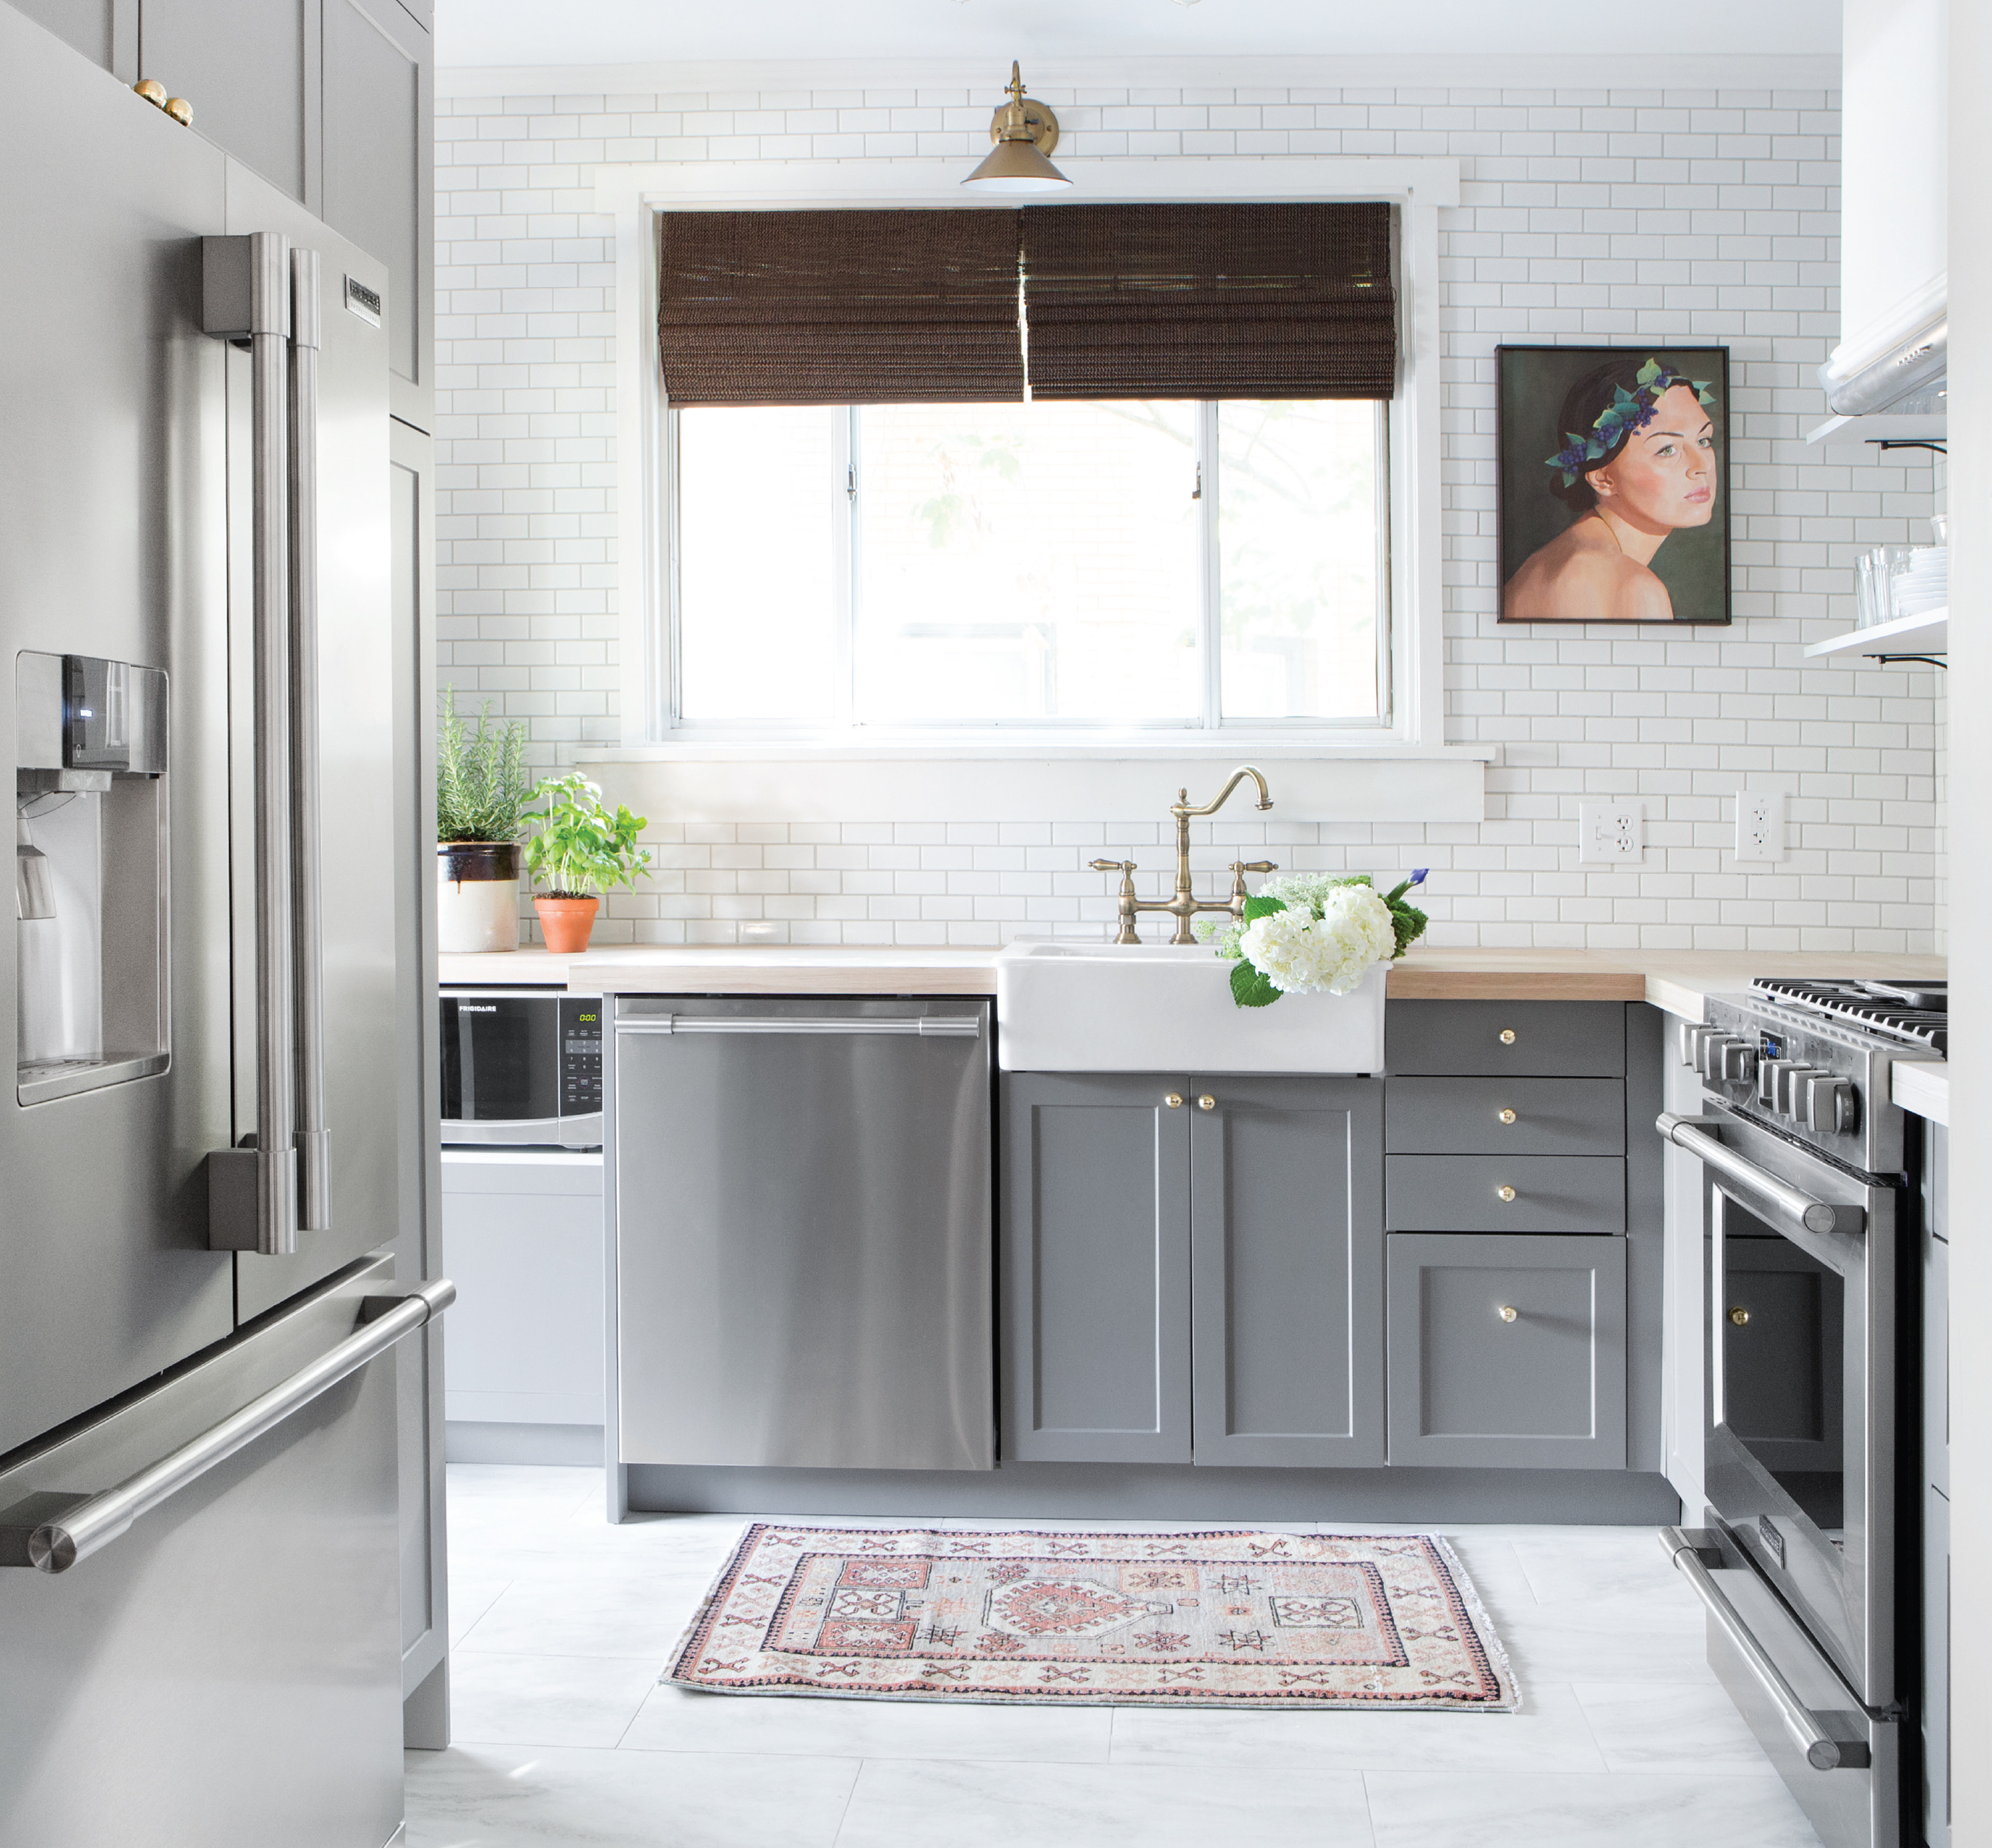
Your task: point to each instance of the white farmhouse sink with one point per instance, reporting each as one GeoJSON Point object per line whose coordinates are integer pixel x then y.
{"type": "Point", "coordinates": [1167, 1007]}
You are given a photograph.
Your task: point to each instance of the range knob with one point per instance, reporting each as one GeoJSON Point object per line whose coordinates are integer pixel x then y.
{"type": "Point", "coordinates": [1739, 1062]}
{"type": "Point", "coordinates": [1790, 1100]}
{"type": "Point", "coordinates": [1692, 1034]}
{"type": "Point", "coordinates": [1770, 1072]}
{"type": "Point", "coordinates": [1721, 1056]}
{"type": "Point", "coordinates": [1832, 1105]}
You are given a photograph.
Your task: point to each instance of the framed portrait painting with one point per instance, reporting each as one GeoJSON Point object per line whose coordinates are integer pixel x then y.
{"type": "Point", "coordinates": [1613, 484]}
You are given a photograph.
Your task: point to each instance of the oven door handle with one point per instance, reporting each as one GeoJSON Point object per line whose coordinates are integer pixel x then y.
{"type": "Point", "coordinates": [1695, 1134]}
{"type": "Point", "coordinates": [1823, 1752]}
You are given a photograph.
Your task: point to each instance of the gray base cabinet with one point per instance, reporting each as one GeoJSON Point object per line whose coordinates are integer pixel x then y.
{"type": "Point", "coordinates": [1185, 1284]}
{"type": "Point", "coordinates": [1095, 1263]}
{"type": "Point", "coordinates": [1507, 1349]}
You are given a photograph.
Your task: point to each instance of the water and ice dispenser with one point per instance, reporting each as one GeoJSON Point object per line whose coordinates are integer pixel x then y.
{"type": "Point", "coordinates": [90, 874]}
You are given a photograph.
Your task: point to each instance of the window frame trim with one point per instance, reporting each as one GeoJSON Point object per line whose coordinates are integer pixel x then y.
{"type": "Point", "coordinates": [632, 194]}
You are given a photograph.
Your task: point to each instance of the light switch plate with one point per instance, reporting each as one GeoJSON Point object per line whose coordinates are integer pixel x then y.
{"type": "Point", "coordinates": [1760, 824]}
{"type": "Point", "coordinates": [1611, 830]}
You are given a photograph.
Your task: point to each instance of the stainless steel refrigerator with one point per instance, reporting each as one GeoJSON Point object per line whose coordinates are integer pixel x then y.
{"type": "Point", "coordinates": [214, 1147]}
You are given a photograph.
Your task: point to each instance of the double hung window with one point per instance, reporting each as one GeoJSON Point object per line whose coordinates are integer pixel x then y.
{"type": "Point", "coordinates": [921, 503]}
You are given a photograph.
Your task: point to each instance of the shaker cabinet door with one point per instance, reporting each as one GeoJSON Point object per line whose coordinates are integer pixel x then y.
{"type": "Point", "coordinates": [250, 68]}
{"type": "Point", "coordinates": [1287, 1271]}
{"type": "Point", "coordinates": [380, 168]}
{"type": "Point", "coordinates": [1095, 1269]}
{"type": "Point", "coordinates": [1507, 1351]}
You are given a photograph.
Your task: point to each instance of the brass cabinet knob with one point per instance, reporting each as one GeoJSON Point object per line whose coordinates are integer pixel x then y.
{"type": "Point", "coordinates": [1740, 1316]}
{"type": "Point", "coordinates": [1206, 1102]}
{"type": "Point", "coordinates": [1174, 1100]}
{"type": "Point", "coordinates": [1507, 1036]}
{"type": "Point", "coordinates": [1507, 1115]}
{"type": "Point", "coordinates": [1504, 1193]}
{"type": "Point", "coordinates": [181, 110]}
{"type": "Point", "coordinates": [1509, 1312]}
{"type": "Point", "coordinates": [152, 90]}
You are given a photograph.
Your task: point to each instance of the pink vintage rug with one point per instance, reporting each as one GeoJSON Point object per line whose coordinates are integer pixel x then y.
{"type": "Point", "coordinates": [1193, 1619]}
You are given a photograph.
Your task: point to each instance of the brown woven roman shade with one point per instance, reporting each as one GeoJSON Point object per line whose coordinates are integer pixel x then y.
{"type": "Point", "coordinates": [1122, 301]}
{"type": "Point", "coordinates": [1210, 301]}
{"type": "Point", "coordinates": [839, 308]}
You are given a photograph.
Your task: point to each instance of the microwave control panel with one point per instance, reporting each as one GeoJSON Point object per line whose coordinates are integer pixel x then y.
{"type": "Point", "coordinates": [581, 1055]}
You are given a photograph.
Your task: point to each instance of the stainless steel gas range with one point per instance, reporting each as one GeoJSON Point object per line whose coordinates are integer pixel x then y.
{"type": "Point", "coordinates": [1806, 1562]}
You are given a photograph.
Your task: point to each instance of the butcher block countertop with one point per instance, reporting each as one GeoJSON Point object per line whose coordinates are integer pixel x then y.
{"type": "Point", "coordinates": [1678, 981]}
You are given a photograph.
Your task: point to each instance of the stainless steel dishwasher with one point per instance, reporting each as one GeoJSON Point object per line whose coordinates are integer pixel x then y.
{"type": "Point", "coordinates": [803, 1232]}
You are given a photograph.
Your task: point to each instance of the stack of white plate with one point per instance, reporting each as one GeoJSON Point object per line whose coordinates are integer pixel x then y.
{"type": "Point", "coordinates": [1922, 581]}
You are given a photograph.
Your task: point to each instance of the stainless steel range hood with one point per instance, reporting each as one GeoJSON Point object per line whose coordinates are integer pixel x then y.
{"type": "Point", "coordinates": [1898, 365]}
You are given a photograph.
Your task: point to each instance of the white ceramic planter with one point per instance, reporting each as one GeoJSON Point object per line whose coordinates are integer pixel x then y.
{"type": "Point", "coordinates": [477, 896]}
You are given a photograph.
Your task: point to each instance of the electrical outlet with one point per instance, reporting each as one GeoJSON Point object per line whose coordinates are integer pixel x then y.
{"type": "Point", "coordinates": [1610, 831]}
{"type": "Point", "coordinates": [1760, 824]}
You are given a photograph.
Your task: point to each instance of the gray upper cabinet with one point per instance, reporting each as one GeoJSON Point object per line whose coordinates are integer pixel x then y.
{"type": "Point", "coordinates": [1096, 1269]}
{"type": "Point", "coordinates": [331, 101]}
{"type": "Point", "coordinates": [251, 70]}
{"type": "Point", "coordinates": [106, 32]}
{"type": "Point", "coordinates": [379, 169]}
{"type": "Point", "coordinates": [1499, 1039]}
{"type": "Point", "coordinates": [1287, 1260]}
{"type": "Point", "coordinates": [1507, 1351]}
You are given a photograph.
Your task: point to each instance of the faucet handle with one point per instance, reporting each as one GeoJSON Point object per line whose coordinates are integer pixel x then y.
{"type": "Point", "coordinates": [1112, 866]}
{"type": "Point", "coordinates": [1239, 869]}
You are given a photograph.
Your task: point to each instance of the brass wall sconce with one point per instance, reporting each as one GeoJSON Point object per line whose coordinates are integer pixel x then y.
{"type": "Point", "coordinates": [1024, 132]}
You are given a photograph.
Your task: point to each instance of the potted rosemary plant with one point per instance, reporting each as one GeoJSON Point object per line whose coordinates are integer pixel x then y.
{"type": "Point", "coordinates": [482, 790]}
{"type": "Point", "coordinates": [579, 850]}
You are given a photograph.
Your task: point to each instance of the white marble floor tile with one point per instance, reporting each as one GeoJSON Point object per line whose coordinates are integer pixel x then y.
{"type": "Point", "coordinates": [522, 1797]}
{"type": "Point", "coordinates": [1615, 1563]}
{"type": "Point", "coordinates": [575, 1615]}
{"type": "Point", "coordinates": [499, 1699]}
{"type": "Point", "coordinates": [674, 1719]}
{"type": "Point", "coordinates": [904, 1803]}
{"type": "Point", "coordinates": [1622, 1641]}
{"type": "Point", "coordinates": [1550, 1733]}
{"type": "Point", "coordinates": [472, 1593]}
{"type": "Point", "coordinates": [1653, 1725]}
{"type": "Point", "coordinates": [1415, 1810]}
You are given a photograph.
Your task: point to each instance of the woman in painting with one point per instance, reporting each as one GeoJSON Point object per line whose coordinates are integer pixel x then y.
{"type": "Point", "coordinates": [1639, 461]}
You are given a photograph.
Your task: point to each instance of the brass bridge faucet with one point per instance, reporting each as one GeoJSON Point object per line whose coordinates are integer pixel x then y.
{"type": "Point", "coordinates": [1185, 906]}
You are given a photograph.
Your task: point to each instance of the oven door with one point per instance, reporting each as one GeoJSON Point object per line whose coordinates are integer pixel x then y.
{"type": "Point", "coordinates": [1800, 1453]}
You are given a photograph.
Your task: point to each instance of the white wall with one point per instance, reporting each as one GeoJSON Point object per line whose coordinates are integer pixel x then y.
{"type": "Point", "coordinates": [1596, 214]}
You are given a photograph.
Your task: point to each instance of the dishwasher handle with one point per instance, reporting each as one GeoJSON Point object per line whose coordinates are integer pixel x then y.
{"type": "Point", "coordinates": [943, 1026]}
{"type": "Point", "coordinates": [1695, 1135]}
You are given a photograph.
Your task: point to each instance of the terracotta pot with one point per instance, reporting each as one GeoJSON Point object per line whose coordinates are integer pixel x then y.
{"type": "Point", "coordinates": [477, 896]}
{"type": "Point", "coordinates": [565, 923]}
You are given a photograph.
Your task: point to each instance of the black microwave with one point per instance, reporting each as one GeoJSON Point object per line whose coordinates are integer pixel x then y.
{"type": "Point", "coordinates": [520, 1068]}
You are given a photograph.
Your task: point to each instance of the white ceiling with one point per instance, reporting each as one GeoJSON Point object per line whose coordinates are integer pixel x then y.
{"type": "Point", "coordinates": [485, 32]}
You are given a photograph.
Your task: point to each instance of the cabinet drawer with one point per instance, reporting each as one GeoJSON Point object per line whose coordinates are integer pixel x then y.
{"type": "Point", "coordinates": [1506, 1352]}
{"type": "Point", "coordinates": [1505, 1116]}
{"type": "Point", "coordinates": [1546, 1039]}
{"type": "Point", "coordinates": [1464, 1193]}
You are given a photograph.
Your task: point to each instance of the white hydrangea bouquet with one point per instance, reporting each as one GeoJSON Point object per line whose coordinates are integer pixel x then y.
{"type": "Point", "coordinates": [1311, 933]}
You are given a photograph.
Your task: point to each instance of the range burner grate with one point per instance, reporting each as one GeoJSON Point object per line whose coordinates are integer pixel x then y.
{"type": "Point", "coordinates": [1913, 1012]}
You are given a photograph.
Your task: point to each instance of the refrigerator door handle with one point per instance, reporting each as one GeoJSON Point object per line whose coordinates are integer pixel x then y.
{"type": "Point", "coordinates": [58, 1542]}
{"type": "Point", "coordinates": [314, 1178]}
{"type": "Point", "coordinates": [246, 291]}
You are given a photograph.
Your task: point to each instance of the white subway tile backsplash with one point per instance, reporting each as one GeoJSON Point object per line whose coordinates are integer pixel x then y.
{"type": "Point", "coordinates": [1586, 214]}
